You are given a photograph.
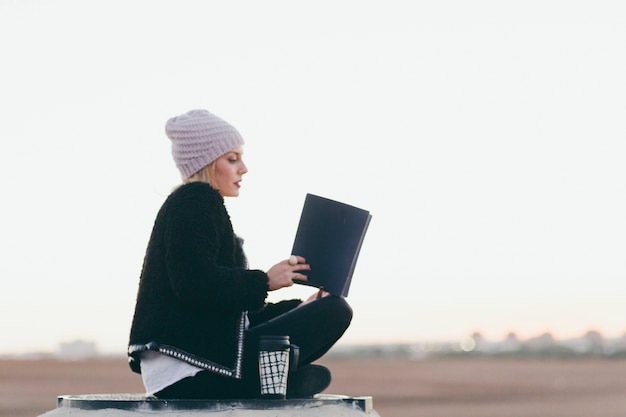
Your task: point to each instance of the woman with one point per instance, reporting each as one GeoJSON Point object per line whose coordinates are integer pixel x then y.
{"type": "Point", "coordinates": [200, 311]}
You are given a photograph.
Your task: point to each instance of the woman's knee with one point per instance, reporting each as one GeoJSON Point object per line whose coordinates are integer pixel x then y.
{"type": "Point", "coordinates": [337, 308]}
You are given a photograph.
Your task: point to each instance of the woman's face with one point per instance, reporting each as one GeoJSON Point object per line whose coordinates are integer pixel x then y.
{"type": "Point", "coordinates": [228, 172]}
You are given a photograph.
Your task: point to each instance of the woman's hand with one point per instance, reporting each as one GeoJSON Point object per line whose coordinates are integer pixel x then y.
{"type": "Point", "coordinates": [282, 274]}
{"type": "Point", "coordinates": [319, 294]}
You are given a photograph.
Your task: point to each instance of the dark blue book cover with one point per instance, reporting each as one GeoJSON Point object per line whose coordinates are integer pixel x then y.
{"type": "Point", "coordinates": [329, 236]}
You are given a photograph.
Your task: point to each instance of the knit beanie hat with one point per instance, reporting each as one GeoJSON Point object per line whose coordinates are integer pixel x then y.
{"type": "Point", "coordinates": [199, 138]}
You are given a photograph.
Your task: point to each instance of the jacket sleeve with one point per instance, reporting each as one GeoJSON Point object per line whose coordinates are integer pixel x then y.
{"type": "Point", "coordinates": [195, 230]}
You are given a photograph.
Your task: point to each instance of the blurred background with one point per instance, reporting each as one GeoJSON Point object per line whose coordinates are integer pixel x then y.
{"type": "Point", "coordinates": [486, 138]}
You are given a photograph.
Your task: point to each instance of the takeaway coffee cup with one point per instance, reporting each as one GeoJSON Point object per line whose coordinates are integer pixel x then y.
{"type": "Point", "coordinates": [274, 366]}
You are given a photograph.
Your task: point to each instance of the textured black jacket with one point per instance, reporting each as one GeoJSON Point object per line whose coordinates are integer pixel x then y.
{"type": "Point", "coordinates": [195, 286]}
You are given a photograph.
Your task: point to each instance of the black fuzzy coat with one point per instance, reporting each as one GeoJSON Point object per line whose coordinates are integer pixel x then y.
{"type": "Point", "coordinates": [195, 284]}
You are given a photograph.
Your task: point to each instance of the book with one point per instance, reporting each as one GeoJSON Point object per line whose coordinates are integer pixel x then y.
{"type": "Point", "coordinates": [329, 236]}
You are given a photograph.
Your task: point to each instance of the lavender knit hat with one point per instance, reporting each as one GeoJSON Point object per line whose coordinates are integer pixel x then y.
{"type": "Point", "coordinates": [199, 138]}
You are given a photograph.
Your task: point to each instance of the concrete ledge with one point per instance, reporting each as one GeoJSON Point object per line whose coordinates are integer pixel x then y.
{"type": "Point", "coordinates": [129, 405]}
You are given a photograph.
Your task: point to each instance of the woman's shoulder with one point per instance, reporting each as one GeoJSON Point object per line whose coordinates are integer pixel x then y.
{"type": "Point", "coordinates": [195, 191]}
{"type": "Point", "coordinates": [194, 196]}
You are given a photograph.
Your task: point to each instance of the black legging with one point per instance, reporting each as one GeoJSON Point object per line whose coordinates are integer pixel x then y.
{"type": "Point", "coordinates": [314, 327]}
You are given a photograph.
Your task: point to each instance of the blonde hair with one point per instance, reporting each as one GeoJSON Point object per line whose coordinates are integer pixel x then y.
{"type": "Point", "coordinates": [206, 174]}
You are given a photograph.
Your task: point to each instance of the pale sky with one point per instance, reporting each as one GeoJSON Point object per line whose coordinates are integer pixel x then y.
{"type": "Point", "coordinates": [487, 139]}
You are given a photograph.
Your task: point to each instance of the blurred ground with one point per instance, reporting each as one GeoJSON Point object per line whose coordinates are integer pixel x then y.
{"type": "Point", "coordinates": [461, 387]}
